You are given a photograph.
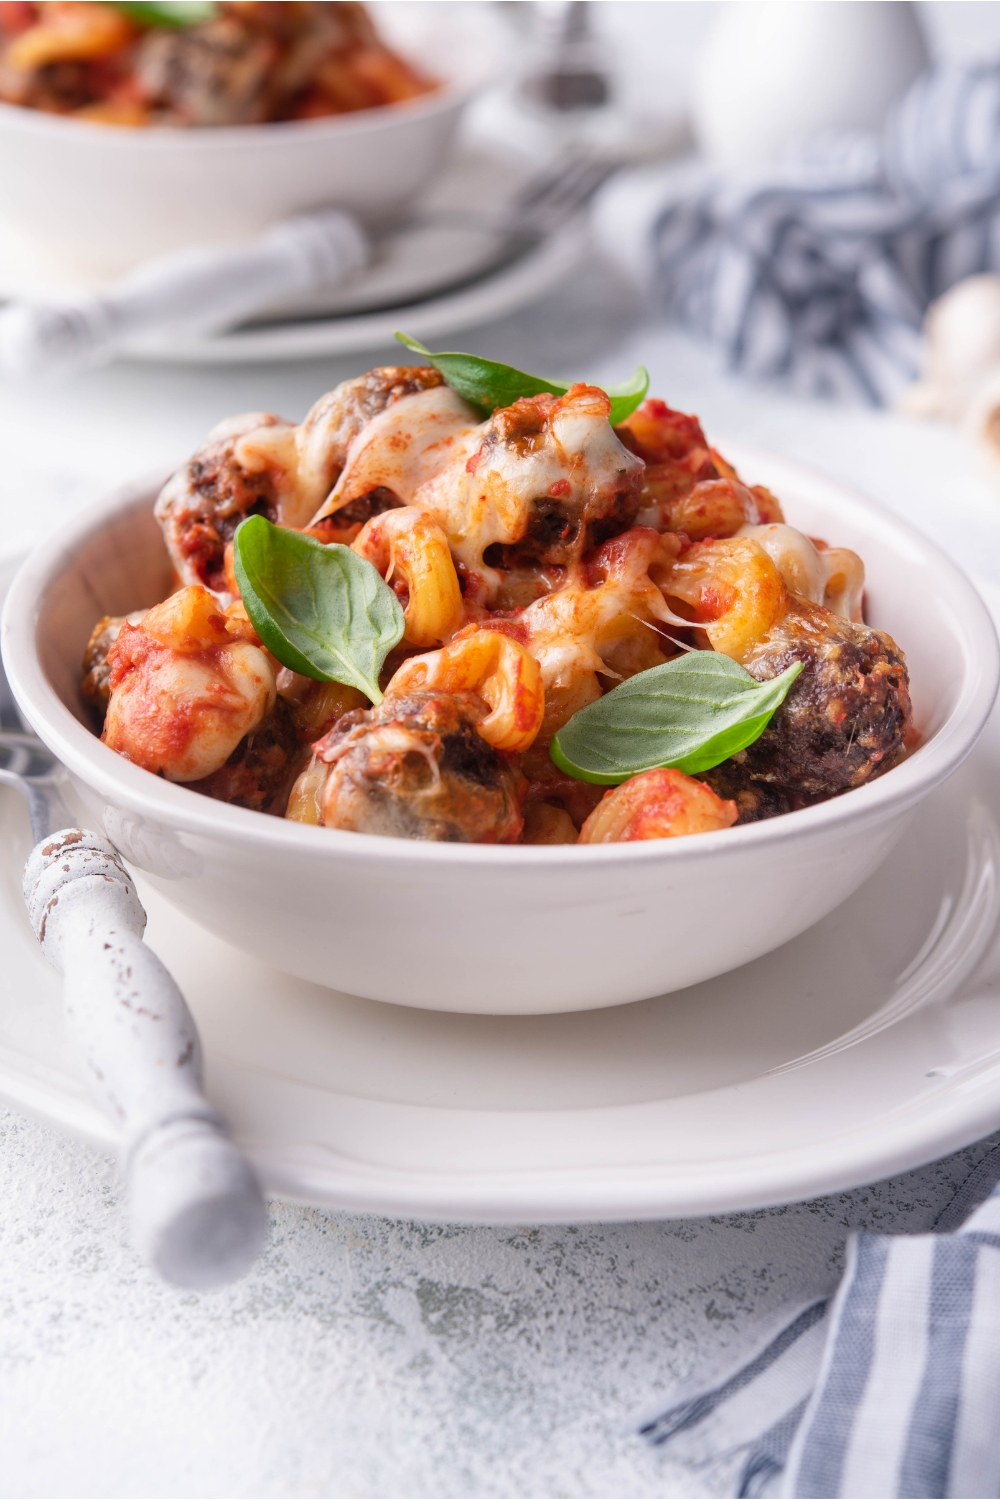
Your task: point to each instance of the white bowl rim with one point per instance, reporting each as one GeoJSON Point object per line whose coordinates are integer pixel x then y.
{"type": "Point", "coordinates": [173, 806]}
{"type": "Point", "coordinates": [449, 93]}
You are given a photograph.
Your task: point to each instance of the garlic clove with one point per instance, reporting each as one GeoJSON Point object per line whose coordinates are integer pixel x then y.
{"type": "Point", "coordinates": [961, 348]}
{"type": "Point", "coordinates": [982, 416]}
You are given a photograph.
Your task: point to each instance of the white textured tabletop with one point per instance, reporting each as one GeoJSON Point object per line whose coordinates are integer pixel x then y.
{"type": "Point", "coordinates": [363, 1356]}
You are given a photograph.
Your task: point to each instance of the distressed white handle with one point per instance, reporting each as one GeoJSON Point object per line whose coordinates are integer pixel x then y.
{"type": "Point", "coordinates": [197, 1211]}
{"type": "Point", "coordinates": [197, 290]}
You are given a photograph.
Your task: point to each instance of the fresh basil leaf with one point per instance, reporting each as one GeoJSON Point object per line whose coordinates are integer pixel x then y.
{"type": "Point", "coordinates": [627, 395]}
{"type": "Point", "coordinates": [322, 611]}
{"type": "Point", "coordinates": [690, 713]}
{"type": "Point", "coordinates": [487, 385]}
{"type": "Point", "coordinates": [177, 13]}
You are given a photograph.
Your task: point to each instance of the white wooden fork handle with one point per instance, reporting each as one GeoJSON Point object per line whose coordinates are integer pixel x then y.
{"type": "Point", "coordinates": [197, 1210]}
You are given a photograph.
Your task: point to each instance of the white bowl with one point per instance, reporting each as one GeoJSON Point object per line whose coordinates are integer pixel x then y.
{"type": "Point", "coordinates": [84, 203]}
{"type": "Point", "coordinates": [502, 930]}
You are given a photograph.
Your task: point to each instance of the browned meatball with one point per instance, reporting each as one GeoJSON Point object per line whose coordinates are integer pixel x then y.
{"type": "Point", "coordinates": [264, 61]}
{"type": "Point", "coordinates": [415, 768]}
{"type": "Point", "coordinates": [260, 771]}
{"type": "Point", "coordinates": [201, 505]}
{"type": "Point", "coordinates": [215, 74]}
{"type": "Point", "coordinates": [95, 688]}
{"type": "Point", "coordinates": [847, 715]}
{"type": "Point", "coordinates": [247, 64]}
{"type": "Point", "coordinates": [337, 418]}
{"type": "Point", "coordinates": [755, 800]}
{"type": "Point", "coordinates": [596, 482]}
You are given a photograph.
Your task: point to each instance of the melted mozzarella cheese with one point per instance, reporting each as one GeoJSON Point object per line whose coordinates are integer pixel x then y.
{"type": "Point", "coordinates": [831, 576]}
{"type": "Point", "coordinates": [274, 449]}
{"type": "Point", "coordinates": [405, 446]}
{"type": "Point", "coordinates": [579, 631]}
{"type": "Point", "coordinates": [488, 494]}
{"type": "Point", "coordinates": [794, 556]}
{"type": "Point", "coordinates": [845, 582]}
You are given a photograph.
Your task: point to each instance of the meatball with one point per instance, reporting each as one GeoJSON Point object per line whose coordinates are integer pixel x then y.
{"type": "Point", "coordinates": [215, 74]}
{"type": "Point", "coordinates": [95, 687]}
{"type": "Point", "coordinates": [595, 488]}
{"type": "Point", "coordinates": [533, 488]}
{"type": "Point", "coordinates": [415, 768]}
{"type": "Point", "coordinates": [201, 505]}
{"type": "Point", "coordinates": [253, 62]}
{"type": "Point", "coordinates": [337, 418]}
{"type": "Point", "coordinates": [331, 427]}
{"type": "Point", "coordinates": [755, 800]}
{"type": "Point", "coordinates": [259, 464]}
{"type": "Point", "coordinates": [847, 715]}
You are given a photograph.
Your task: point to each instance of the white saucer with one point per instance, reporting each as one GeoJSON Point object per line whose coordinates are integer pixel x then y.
{"type": "Point", "coordinates": [865, 1047]}
{"type": "Point", "coordinates": [430, 279]}
{"type": "Point", "coordinates": [524, 279]}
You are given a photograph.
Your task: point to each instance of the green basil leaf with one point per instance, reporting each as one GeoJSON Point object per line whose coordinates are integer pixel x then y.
{"type": "Point", "coordinates": [168, 12]}
{"type": "Point", "coordinates": [691, 713]}
{"type": "Point", "coordinates": [487, 385]}
{"type": "Point", "coordinates": [322, 611]}
{"type": "Point", "coordinates": [627, 395]}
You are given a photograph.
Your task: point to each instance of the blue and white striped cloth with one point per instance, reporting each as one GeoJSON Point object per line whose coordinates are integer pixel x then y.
{"type": "Point", "coordinates": [890, 1387]}
{"type": "Point", "coordinates": [819, 270]}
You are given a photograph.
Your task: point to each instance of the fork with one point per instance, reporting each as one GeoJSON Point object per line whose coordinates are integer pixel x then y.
{"type": "Point", "coordinates": [197, 1212]}
{"type": "Point", "coordinates": [559, 189]}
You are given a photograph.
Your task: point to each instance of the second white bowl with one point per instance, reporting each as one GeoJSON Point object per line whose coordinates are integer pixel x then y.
{"type": "Point", "coordinates": [83, 203]}
{"type": "Point", "coordinates": [514, 930]}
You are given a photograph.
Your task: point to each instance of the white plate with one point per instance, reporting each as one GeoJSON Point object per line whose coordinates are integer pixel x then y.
{"type": "Point", "coordinates": [430, 280]}
{"type": "Point", "coordinates": [690, 1104]}
{"type": "Point", "coordinates": [525, 279]}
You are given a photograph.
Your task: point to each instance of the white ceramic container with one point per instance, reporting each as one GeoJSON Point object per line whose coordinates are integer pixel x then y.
{"type": "Point", "coordinates": [83, 203]}
{"type": "Point", "coordinates": [776, 71]}
{"type": "Point", "coordinates": [502, 930]}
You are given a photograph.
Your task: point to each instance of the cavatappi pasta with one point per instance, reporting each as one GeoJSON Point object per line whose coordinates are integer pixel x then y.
{"type": "Point", "coordinates": [540, 558]}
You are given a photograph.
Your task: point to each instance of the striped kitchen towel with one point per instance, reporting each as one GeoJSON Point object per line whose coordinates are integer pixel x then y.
{"type": "Point", "coordinates": [890, 1387]}
{"type": "Point", "coordinates": [819, 270]}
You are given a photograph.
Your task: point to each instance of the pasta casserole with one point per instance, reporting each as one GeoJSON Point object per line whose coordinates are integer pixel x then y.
{"type": "Point", "coordinates": [431, 613]}
{"type": "Point", "coordinates": [238, 62]}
